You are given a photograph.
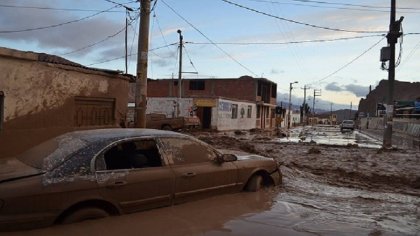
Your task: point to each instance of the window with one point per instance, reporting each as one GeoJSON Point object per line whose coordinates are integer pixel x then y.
{"type": "Point", "coordinates": [132, 154]}
{"type": "Point", "coordinates": [249, 112]}
{"type": "Point", "coordinates": [197, 85]}
{"type": "Point", "coordinates": [186, 151]}
{"type": "Point", "coordinates": [94, 111]}
{"type": "Point", "coordinates": [234, 111]}
{"type": "Point", "coordinates": [1, 110]}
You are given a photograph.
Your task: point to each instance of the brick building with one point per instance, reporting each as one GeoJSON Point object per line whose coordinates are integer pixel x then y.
{"type": "Point", "coordinates": [206, 93]}
{"type": "Point", "coordinates": [43, 95]}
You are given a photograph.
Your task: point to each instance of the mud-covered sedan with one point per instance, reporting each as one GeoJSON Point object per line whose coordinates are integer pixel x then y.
{"type": "Point", "coordinates": [96, 173]}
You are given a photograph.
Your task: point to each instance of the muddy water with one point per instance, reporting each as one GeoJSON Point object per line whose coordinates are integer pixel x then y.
{"type": "Point", "coordinates": [330, 135]}
{"type": "Point", "coordinates": [304, 205]}
{"type": "Point", "coordinates": [340, 191]}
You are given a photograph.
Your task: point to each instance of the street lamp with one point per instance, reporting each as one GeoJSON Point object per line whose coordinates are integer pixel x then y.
{"type": "Point", "coordinates": [290, 104]}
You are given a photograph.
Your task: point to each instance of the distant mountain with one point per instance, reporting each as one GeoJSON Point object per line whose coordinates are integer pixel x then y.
{"type": "Point", "coordinates": [343, 114]}
{"type": "Point", "coordinates": [320, 106]}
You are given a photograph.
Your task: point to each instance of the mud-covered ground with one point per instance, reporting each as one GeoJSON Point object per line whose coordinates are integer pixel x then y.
{"type": "Point", "coordinates": [342, 189]}
{"type": "Point", "coordinates": [326, 190]}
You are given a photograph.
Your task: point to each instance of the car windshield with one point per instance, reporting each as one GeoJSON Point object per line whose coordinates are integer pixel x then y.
{"type": "Point", "coordinates": [348, 122]}
{"type": "Point", "coordinates": [49, 154]}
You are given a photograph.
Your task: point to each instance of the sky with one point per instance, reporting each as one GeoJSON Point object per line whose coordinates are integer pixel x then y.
{"type": "Point", "coordinates": [328, 45]}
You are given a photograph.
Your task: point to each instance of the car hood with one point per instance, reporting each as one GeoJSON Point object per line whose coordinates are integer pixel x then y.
{"type": "Point", "coordinates": [12, 168]}
{"type": "Point", "coordinates": [242, 157]}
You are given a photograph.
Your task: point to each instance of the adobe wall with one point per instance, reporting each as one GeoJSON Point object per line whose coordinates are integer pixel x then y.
{"type": "Point", "coordinates": [39, 99]}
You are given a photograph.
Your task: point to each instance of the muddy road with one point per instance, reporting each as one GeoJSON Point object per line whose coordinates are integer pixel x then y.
{"type": "Point", "coordinates": [328, 189]}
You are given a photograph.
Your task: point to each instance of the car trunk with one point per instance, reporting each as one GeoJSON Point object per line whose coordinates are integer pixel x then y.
{"type": "Point", "coordinates": [12, 168]}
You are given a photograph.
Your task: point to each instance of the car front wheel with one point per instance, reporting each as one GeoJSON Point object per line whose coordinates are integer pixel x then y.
{"type": "Point", "coordinates": [255, 183]}
{"type": "Point", "coordinates": [87, 213]}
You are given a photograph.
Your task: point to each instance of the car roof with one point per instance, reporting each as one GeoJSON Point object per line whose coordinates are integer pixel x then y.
{"type": "Point", "coordinates": [120, 133]}
{"type": "Point", "coordinates": [52, 152]}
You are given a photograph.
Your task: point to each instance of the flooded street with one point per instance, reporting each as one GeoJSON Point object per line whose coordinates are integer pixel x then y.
{"type": "Point", "coordinates": [331, 135]}
{"type": "Point", "coordinates": [337, 188]}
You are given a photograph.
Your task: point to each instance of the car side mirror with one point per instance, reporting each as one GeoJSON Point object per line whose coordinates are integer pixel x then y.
{"type": "Point", "coordinates": [229, 157]}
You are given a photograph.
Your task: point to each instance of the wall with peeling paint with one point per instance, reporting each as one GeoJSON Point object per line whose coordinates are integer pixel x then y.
{"type": "Point", "coordinates": [39, 98]}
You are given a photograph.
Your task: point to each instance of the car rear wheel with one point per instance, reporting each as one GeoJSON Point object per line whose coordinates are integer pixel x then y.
{"type": "Point", "coordinates": [255, 183]}
{"type": "Point", "coordinates": [87, 213]}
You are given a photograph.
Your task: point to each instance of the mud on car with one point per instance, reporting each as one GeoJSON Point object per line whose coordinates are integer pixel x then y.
{"type": "Point", "coordinates": [96, 173]}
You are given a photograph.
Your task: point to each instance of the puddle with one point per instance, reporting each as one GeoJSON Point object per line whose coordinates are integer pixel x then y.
{"type": "Point", "coordinates": [330, 135]}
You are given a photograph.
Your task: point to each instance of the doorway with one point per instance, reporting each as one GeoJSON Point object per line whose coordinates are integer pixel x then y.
{"type": "Point", "coordinates": [204, 113]}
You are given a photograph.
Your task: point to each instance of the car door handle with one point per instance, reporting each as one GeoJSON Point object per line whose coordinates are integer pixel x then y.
{"type": "Point", "coordinates": [189, 174]}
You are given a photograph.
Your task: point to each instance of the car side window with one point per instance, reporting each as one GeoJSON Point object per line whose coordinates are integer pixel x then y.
{"type": "Point", "coordinates": [131, 154]}
{"type": "Point", "coordinates": [186, 151]}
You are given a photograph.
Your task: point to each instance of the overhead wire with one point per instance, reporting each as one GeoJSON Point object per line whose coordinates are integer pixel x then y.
{"type": "Point", "coordinates": [301, 23]}
{"type": "Point", "coordinates": [292, 42]}
{"type": "Point", "coordinates": [132, 54]}
{"type": "Point", "coordinates": [320, 6]}
{"type": "Point", "coordinates": [211, 41]}
{"type": "Point", "coordinates": [344, 6]}
{"type": "Point", "coordinates": [57, 25]}
{"type": "Point", "coordinates": [98, 42]}
{"type": "Point", "coordinates": [55, 9]}
{"type": "Point", "coordinates": [189, 58]}
{"type": "Point", "coordinates": [349, 63]}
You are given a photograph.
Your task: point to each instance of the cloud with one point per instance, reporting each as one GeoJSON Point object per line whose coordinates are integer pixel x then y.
{"type": "Point", "coordinates": [65, 37]}
{"type": "Point", "coordinates": [276, 72]}
{"type": "Point", "coordinates": [333, 87]}
{"type": "Point", "coordinates": [359, 91]}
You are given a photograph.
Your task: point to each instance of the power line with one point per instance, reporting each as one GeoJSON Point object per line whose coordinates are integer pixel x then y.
{"type": "Point", "coordinates": [131, 54]}
{"type": "Point", "coordinates": [100, 41]}
{"type": "Point", "coordinates": [120, 4]}
{"type": "Point", "coordinates": [189, 58]}
{"type": "Point", "coordinates": [56, 25]}
{"type": "Point", "coordinates": [301, 23]}
{"type": "Point", "coordinates": [349, 63]}
{"type": "Point", "coordinates": [320, 6]}
{"type": "Point", "coordinates": [355, 5]}
{"type": "Point", "coordinates": [347, 6]}
{"type": "Point", "coordinates": [211, 41]}
{"type": "Point", "coordinates": [292, 42]}
{"type": "Point", "coordinates": [53, 8]}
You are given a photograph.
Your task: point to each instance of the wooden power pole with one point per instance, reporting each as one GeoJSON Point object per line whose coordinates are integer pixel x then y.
{"type": "Point", "coordinates": [142, 56]}
{"type": "Point", "coordinates": [392, 36]}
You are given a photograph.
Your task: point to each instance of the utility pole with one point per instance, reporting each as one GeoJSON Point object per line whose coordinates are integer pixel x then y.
{"type": "Point", "coordinates": [304, 105]}
{"type": "Point", "coordinates": [331, 116]}
{"type": "Point", "coordinates": [317, 93]}
{"type": "Point", "coordinates": [392, 36]}
{"type": "Point", "coordinates": [125, 41]}
{"type": "Point", "coordinates": [290, 104]}
{"type": "Point", "coordinates": [178, 111]}
{"type": "Point", "coordinates": [142, 56]}
{"type": "Point", "coordinates": [351, 107]}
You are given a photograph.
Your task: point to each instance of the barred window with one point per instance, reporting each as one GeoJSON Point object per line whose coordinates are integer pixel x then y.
{"type": "Point", "coordinates": [234, 111]}
{"type": "Point", "coordinates": [249, 113]}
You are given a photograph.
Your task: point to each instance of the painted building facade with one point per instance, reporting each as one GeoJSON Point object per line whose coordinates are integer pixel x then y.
{"type": "Point", "coordinates": [259, 92]}
{"type": "Point", "coordinates": [42, 96]}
